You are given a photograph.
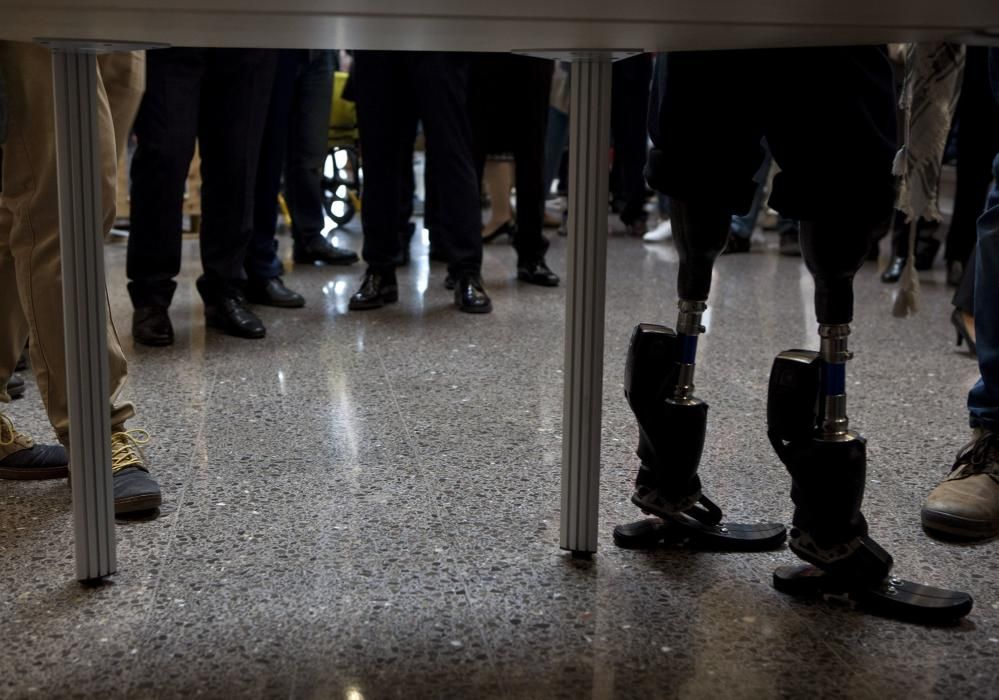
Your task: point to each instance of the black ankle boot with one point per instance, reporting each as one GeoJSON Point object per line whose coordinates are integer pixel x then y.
{"type": "Point", "coordinates": [378, 288]}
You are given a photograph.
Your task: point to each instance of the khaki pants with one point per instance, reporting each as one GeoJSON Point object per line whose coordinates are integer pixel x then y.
{"type": "Point", "coordinates": [30, 266]}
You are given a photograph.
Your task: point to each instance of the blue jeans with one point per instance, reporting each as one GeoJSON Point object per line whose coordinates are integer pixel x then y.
{"type": "Point", "coordinates": [556, 140]}
{"type": "Point", "coordinates": [983, 399]}
{"type": "Point", "coordinates": [295, 144]}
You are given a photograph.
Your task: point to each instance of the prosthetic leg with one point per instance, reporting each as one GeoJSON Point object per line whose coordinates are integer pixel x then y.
{"type": "Point", "coordinates": [659, 386]}
{"type": "Point", "coordinates": [808, 427]}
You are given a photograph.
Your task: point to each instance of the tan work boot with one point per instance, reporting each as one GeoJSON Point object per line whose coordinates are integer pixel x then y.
{"type": "Point", "coordinates": [966, 503]}
{"type": "Point", "coordinates": [21, 458]}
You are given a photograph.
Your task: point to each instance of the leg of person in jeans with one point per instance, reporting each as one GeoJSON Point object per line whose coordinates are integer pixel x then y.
{"type": "Point", "coordinates": [30, 258]}
{"type": "Point", "coordinates": [966, 503]}
{"type": "Point", "coordinates": [263, 268]}
{"type": "Point", "coordinates": [308, 128]}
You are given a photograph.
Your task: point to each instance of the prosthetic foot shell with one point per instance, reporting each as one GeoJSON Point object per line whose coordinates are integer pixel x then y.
{"type": "Point", "coordinates": [891, 597]}
{"type": "Point", "coordinates": [650, 533]}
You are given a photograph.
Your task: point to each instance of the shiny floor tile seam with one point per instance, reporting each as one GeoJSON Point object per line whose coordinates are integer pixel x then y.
{"type": "Point", "coordinates": [466, 577]}
{"type": "Point", "coordinates": [175, 500]}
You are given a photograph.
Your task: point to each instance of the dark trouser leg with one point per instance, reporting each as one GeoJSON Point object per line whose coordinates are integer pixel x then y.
{"type": "Point", "coordinates": [691, 134]}
{"type": "Point", "coordinates": [307, 139]}
{"type": "Point", "coordinates": [629, 109]}
{"type": "Point", "coordinates": [166, 127]}
{"type": "Point", "coordinates": [441, 85]}
{"type": "Point", "coordinates": [237, 86]}
{"type": "Point", "coordinates": [529, 153]}
{"type": "Point", "coordinates": [381, 91]}
{"type": "Point", "coordinates": [977, 143]}
{"type": "Point", "coordinates": [261, 259]}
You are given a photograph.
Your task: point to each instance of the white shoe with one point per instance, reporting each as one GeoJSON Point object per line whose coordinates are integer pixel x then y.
{"type": "Point", "coordinates": [662, 232]}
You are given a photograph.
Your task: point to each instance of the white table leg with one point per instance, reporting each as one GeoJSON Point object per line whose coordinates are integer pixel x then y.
{"type": "Point", "coordinates": [589, 145]}
{"type": "Point", "coordinates": [84, 299]}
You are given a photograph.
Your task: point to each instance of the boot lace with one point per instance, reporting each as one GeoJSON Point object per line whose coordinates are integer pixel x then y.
{"type": "Point", "coordinates": [126, 450]}
{"type": "Point", "coordinates": [981, 456]}
{"type": "Point", "coordinates": [9, 437]}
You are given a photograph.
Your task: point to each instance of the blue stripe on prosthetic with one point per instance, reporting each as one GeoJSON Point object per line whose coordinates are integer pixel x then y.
{"type": "Point", "coordinates": [688, 349]}
{"type": "Point", "coordinates": [833, 379]}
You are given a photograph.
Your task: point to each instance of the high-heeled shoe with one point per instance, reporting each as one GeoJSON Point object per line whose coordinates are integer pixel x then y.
{"type": "Point", "coordinates": [508, 227]}
{"type": "Point", "coordinates": [960, 321]}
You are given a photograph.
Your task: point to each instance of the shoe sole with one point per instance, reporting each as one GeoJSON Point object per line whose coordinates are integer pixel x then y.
{"type": "Point", "coordinates": [34, 473]}
{"type": "Point", "coordinates": [276, 304]}
{"type": "Point", "coordinates": [225, 328]}
{"type": "Point", "coordinates": [153, 343]}
{"type": "Point", "coordinates": [137, 504]}
{"type": "Point", "coordinates": [476, 309]}
{"type": "Point", "coordinates": [387, 298]}
{"type": "Point", "coordinates": [935, 522]}
{"type": "Point", "coordinates": [540, 283]}
{"type": "Point", "coordinates": [337, 263]}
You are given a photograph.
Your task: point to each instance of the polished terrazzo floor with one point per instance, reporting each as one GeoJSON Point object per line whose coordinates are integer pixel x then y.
{"type": "Point", "coordinates": [366, 505]}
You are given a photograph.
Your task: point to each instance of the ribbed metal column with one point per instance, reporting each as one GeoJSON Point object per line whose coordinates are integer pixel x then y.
{"type": "Point", "coordinates": [589, 145]}
{"type": "Point", "coordinates": [84, 299]}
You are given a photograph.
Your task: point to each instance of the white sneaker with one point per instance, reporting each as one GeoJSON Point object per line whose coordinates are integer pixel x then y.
{"type": "Point", "coordinates": [662, 232]}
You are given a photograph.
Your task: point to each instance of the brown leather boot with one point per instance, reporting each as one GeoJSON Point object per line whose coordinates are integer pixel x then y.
{"type": "Point", "coordinates": [966, 503]}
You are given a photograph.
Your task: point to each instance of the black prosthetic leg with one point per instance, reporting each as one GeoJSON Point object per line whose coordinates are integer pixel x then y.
{"type": "Point", "coordinates": [808, 427]}
{"type": "Point", "coordinates": [659, 386]}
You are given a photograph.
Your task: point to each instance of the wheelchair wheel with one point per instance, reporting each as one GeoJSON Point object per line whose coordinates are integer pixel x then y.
{"type": "Point", "coordinates": [341, 184]}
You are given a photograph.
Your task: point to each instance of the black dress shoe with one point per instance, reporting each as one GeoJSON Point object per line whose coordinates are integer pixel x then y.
{"type": "Point", "coordinates": [377, 289]}
{"type": "Point", "coordinates": [272, 292]}
{"type": "Point", "coordinates": [470, 296]}
{"type": "Point", "coordinates": [151, 326]}
{"type": "Point", "coordinates": [15, 387]}
{"type": "Point", "coordinates": [894, 271]}
{"type": "Point", "coordinates": [537, 273]}
{"type": "Point", "coordinates": [230, 315]}
{"type": "Point", "coordinates": [322, 251]}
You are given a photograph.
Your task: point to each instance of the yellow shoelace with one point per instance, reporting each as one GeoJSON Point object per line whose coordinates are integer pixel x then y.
{"type": "Point", "coordinates": [126, 450]}
{"type": "Point", "coordinates": [9, 435]}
